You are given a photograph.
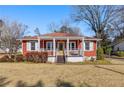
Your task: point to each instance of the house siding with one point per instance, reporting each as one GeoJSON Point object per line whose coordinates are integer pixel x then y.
{"type": "Point", "coordinates": [24, 48]}
{"type": "Point", "coordinates": [50, 53]}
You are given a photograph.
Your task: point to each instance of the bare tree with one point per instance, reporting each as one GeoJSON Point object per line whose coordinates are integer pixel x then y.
{"type": "Point", "coordinates": [118, 26]}
{"type": "Point", "coordinates": [10, 32]}
{"type": "Point", "coordinates": [96, 17]}
{"type": "Point", "coordinates": [52, 27]}
{"type": "Point", "coordinates": [37, 31]}
{"type": "Point", "coordinates": [64, 27]}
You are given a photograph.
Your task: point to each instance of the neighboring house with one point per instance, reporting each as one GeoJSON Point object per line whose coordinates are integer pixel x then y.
{"type": "Point", "coordinates": [63, 47]}
{"type": "Point", "coordinates": [118, 46]}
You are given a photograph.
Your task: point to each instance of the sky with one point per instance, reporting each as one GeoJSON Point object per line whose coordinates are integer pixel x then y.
{"type": "Point", "coordinates": [41, 17]}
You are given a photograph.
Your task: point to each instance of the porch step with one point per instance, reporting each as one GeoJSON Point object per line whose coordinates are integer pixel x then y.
{"type": "Point", "coordinates": [60, 59]}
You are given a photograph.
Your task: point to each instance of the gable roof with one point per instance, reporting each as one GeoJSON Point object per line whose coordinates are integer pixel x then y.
{"type": "Point", "coordinates": [58, 34]}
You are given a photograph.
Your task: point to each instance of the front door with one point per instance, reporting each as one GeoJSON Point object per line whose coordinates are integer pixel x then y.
{"type": "Point", "coordinates": [60, 46]}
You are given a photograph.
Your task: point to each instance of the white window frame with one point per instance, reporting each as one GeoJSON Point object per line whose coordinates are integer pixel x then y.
{"type": "Point", "coordinates": [51, 45]}
{"type": "Point", "coordinates": [33, 46]}
{"type": "Point", "coordinates": [91, 47]}
{"type": "Point", "coordinates": [70, 45]}
{"type": "Point", "coordinates": [29, 45]}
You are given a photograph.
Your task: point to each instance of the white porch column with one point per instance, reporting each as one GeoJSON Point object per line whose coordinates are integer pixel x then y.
{"type": "Point", "coordinates": [39, 44]}
{"type": "Point", "coordinates": [83, 46]}
{"type": "Point", "coordinates": [54, 47]}
{"type": "Point", "coordinates": [67, 46]}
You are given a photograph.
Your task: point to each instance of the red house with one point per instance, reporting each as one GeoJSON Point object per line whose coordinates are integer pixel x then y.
{"type": "Point", "coordinates": [62, 47]}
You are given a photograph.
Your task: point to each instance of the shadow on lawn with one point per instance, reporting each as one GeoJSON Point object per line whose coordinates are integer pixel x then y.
{"type": "Point", "coordinates": [61, 83]}
{"type": "Point", "coordinates": [24, 84]}
{"type": "Point", "coordinates": [58, 83]}
{"type": "Point", "coordinates": [110, 70]}
{"type": "Point", "coordinates": [3, 81]}
{"type": "Point", "coordinates": [84, 84]}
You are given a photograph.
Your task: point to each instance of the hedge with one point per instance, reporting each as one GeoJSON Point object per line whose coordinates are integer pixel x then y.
{"type": "Point", "coordinates": [5, 58]}
{"type": "Point", "coordinates": [36, 57]}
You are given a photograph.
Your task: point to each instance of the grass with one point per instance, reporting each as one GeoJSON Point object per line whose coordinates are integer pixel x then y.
{"type": "Point", "coordinates": [97, 62]}
{"type": "Point", "coordinates": [27, 75]}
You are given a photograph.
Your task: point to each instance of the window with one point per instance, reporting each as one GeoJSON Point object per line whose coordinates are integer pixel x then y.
{"type": "Point", "coordinates": [72, 45]}
{"type": "Point", "coordinates": [32, 45]}
{"type": "Point", "coordinates": [87, 45]}
{"type": "Point", "coordinates": [49, 45]}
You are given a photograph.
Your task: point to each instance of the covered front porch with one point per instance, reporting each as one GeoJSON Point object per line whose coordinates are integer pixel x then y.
{"type": "Point", "coordinates": [69, 47]}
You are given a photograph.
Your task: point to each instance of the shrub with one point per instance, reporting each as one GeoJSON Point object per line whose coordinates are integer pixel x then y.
{"type": "Point", "coordinates": [6, 59]}
{"type": "Point", "coordinates": [120, 53]}
{"type": "Point", "coordinates": [100, 54]}
{"type": "Point", "coordinates": [19, 58]}
{"type": "Point", "coordinates": [108, 51]}
{"type": "Point", "coordinates": [37, 57]}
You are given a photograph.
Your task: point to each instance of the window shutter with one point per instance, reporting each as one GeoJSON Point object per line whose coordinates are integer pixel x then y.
{"type": "Point", "coordinates": [84, 46]}
{"type": "Point", "coordinates": [91, 46]}
{"type": "Point", "coordinates": [28, 46]}
{"type": "Point", "coordinates": [36, 45]}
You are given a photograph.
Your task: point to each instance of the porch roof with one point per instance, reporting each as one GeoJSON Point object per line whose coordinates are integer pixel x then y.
{"type": "Point", "coordinates": [60, 34]}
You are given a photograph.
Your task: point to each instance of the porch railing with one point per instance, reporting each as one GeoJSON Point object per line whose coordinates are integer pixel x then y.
{"type": "Point", "coordinates": [72, 52]}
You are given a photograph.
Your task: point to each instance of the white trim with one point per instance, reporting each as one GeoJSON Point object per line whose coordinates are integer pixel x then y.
{"type": "Point", "coordinates": [91, 46]}
{"type": "Point", "coordinates": [28, 46]}
{"type": "Point", "coordinates": [39, 44]}
{"type": "Point", "coordinates": [62, 37]}
{"type": "Point", "coordinates": [36, 46]}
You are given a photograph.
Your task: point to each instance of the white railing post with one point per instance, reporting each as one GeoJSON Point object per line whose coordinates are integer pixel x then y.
{"type": "Point", "coordinates": [67, 46]}
{"type": "Point", "coordinates": [54, 46]}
